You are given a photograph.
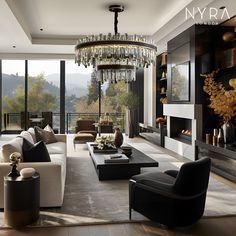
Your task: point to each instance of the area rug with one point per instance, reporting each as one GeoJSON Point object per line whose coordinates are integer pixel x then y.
{"type": "Point", "coordinates": [90, 201]}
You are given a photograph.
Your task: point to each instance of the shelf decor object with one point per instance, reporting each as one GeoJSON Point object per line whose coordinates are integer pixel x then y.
{"type": "Point", "coordinates": [15, 160]}
{"type": "Point", "coordinates": [223, 102]}
{"type": "Point", "coordinates": [115, 57]}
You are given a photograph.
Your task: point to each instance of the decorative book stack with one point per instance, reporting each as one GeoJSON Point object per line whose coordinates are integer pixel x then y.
{"type": "Point", "coordinates": [116, 158]}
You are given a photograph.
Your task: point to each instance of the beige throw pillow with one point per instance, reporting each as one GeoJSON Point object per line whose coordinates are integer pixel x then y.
{"type": "Point", "coordinates": [27, 135]}
{"type": "Point", "coordinates": [46, 136]}
{"type": "Point", "coordinates": [32, 133]}
{"type": "Point", "coordinates": [14, 145]}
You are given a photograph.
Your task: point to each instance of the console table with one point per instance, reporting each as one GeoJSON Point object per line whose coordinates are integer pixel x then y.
{"type": "Point", "coordinates": [223, 158]}
{"type": "Point", "coordinates": [103, 128]}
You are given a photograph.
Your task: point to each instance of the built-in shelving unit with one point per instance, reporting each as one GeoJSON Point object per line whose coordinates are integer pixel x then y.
{"type": "Point", "coordinates": [161, 82]}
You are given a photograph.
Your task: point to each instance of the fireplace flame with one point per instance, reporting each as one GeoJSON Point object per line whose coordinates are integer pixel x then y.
{"type": "Point", "coordinates": [186, 132]}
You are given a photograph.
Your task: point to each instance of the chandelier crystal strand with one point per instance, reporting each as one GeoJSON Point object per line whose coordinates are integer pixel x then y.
{"type": "Point", "coordinates": [115, 57]}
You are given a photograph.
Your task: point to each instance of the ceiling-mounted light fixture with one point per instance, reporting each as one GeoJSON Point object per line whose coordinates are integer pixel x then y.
{"type": "Point", "coordinates": [115, 57]}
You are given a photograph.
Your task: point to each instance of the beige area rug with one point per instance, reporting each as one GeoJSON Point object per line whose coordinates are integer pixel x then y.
{"type": "Point", "coordinates": [90, 201]}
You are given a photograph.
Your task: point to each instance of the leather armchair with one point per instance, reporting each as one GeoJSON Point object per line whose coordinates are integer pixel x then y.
{"type": "Point", "coordinates": [85, 126]}
{"type": "Point", "coordinates": [173, 198]}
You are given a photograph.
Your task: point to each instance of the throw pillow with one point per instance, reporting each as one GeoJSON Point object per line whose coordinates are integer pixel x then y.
{"type": "Point", "coordinates": [46, 136]}
{"type": "Point", "coordinates": [32, 133]}
{"type": "Point", "coordinates": [35, 152]}
{"type": "Point", "coordinates": [14, 145]}
{"type": "Point", "coordinates": [27, 135]}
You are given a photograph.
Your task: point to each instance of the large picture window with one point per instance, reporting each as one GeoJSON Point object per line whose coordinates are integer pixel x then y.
{"type": "Point", "coordinates": [13, 94]}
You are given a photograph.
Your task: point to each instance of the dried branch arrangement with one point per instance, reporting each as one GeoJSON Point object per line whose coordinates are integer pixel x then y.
{"type": "Point", "coordinates": [222, 101]}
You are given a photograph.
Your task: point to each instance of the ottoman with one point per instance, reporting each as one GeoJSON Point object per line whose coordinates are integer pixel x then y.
{"type": "Point", "coordinates": [83, 137]}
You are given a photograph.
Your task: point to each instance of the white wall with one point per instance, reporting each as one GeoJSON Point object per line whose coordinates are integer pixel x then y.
{"type": "Point", "coordinates": [150, 95]}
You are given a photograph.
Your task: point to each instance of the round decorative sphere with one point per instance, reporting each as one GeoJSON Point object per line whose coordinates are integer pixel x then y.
{"type": "Point", "coordinates": [27, 172]}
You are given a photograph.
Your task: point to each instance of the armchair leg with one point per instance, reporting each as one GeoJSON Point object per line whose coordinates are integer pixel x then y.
{"type": "Point", "coordinates": [130, 213]}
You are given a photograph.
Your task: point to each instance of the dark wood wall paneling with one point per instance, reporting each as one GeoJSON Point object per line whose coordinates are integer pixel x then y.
{"type": "Point", "coordinates": [137, 87]}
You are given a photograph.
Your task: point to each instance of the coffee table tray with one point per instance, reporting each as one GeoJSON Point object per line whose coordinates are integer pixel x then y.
{"type": "Point", "coordinates": [104, 151]}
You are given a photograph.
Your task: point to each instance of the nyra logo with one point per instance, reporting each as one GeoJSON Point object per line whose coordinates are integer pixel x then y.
{"type": "Point", "coordinates": [207, 14]}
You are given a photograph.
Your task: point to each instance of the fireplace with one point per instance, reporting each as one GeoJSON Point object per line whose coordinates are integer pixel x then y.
{"type": "Point", "coordinates": [181, 129]}
{"type": "Point", "coordinates": [184, 126]}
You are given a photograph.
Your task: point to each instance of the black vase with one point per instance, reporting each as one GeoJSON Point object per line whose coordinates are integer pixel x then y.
{"type": "Point", "coordinates": [228, 132]}
{"type": "Point", "coordinates": [118, 139]}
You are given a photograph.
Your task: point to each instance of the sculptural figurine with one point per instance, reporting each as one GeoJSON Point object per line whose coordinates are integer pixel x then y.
{"type": "Point", "coordinates": [15, 160]}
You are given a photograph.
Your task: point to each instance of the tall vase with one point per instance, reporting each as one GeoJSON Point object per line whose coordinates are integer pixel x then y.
{"type": "Point", "coordinates": [118, 138]}
{"type": "Point", "coordinates": [229, 132]}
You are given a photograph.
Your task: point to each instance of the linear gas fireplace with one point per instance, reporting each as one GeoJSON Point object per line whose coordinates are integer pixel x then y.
{"type": "Point", "coordinates": [181, 129]}
{"type": "Point", "coordinates": [184, 126]}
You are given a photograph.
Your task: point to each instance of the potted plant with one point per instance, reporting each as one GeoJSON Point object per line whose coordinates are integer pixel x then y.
{"type": "Point", "coordinates": [131, 101]}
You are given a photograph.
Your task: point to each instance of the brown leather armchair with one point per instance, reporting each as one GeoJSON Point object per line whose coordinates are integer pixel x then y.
{"type": "Point", "coordinates": [85, 126]}
{"type": "Point", "coordinates": [85, 131]}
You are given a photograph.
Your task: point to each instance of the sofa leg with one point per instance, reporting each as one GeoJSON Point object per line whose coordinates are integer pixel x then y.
{"type": "Point", "coordinates": [130, 213]}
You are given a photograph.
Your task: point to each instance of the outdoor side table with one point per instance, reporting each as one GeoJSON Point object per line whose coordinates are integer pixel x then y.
{"type": "Point", "coordinates": [21, 200]}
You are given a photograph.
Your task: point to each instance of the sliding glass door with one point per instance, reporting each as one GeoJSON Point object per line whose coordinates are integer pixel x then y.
{"type": "Point", "coordinates": [81, 95]}
{"type": "Point", "coordinates": [13, 95]}
{"type": "Point", "coordinates": [43, 100]}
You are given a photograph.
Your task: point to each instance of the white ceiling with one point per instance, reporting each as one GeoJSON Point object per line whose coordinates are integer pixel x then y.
{"type": "Point", "coordinates": [64, 21]}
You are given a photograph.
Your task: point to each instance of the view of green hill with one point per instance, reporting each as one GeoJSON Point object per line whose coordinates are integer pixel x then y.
{"type": "Point", "coordinates": [75, 85]}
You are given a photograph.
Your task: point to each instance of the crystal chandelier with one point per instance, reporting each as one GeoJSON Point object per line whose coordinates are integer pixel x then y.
{"type": "Point", "coordinates": [115, 57]}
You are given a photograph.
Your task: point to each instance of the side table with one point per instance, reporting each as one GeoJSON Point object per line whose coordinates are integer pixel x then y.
{"type": "Point", "coordinates": [21, 200]}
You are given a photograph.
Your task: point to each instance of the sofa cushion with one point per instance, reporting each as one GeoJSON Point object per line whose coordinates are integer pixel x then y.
{"type": "Point", "coordinates": [56, 148]}
{"type": "Point", "coordinates": [35, 152]}
{"type": "Point", "coordinates": [32, 133]}
{"type": "Point", "coordinates": [27, 135]}
{"type": "Point", "coordinates": [15, 145]}
{"type": "Point", "coordinates": [45, 135]}
{"type": "Point", "coordinates": [61, 160]}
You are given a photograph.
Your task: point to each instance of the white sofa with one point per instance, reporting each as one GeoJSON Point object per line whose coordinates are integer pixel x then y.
{"type": "Point", "coordinates": [52, 174]}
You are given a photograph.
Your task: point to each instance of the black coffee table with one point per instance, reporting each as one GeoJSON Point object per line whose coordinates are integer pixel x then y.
{"type": "Point", "coordinates": [106, 171]}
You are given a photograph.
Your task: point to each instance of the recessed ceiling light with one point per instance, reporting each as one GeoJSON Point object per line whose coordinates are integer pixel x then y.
{"type": "Point", "coordinates": [14, 46]}
{"type": "Point", "coordinates": [221, 8]}
{"type": "Point", "coordinates": [41, 29]}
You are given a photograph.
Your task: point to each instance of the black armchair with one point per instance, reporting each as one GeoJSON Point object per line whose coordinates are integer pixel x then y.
{"type": "Point", "coordinates": [173, 198]}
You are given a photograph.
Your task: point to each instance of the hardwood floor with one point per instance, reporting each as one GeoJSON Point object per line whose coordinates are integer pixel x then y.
{"type": "Point", "coordinates": [223, 226]}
